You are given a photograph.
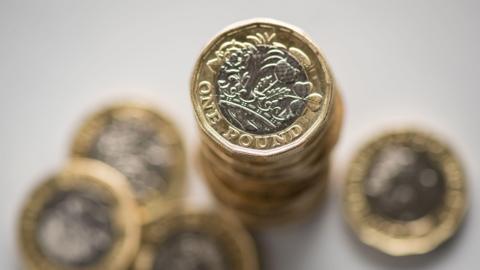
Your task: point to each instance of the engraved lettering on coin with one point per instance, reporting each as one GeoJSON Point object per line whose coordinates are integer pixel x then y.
{"type": "Point", "coordinates": [262, 88]}
{"type": "Point", "coordinates": [191, 251]}
{"type": "Point", "coordinates": [404, 184]}
{"type": "Point", "coordinates": [75, 229]}
{"type": "Point", "coordinates": [135, 148]}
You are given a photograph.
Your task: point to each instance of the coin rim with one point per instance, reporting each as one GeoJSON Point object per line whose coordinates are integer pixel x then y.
{"type": "Point", "coordinates": [126, 214]}
{"type": "Point", "coordinates": [218, 221]}
{"type": "Point", "coordinates": [85, 134]}
{"type": "Point", "coordinates": [354, 198]}
{"type": "Point", "coordinates": [302, 139]}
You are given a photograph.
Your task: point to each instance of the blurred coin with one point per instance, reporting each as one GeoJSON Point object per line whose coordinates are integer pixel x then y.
{"type": "Point", "coordinates": [405, 193]}
{"type": "Point", "coordinates": [84, 217]}
{"type": "Point", "coordinates": [196, 239]}
{"type": "Point", "coordinates": [261, 89]}
{"type": "Point", "coordinates": [139, 142]}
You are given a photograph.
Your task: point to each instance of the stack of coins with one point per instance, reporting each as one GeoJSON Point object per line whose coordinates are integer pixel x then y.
{"type": "Point", "coordinates": [405, 193]}
{"type": "Point", "coordinates": [269, 114]}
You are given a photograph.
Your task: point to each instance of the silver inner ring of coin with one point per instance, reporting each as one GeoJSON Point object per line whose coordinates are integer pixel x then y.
{"type": "Point", "coordinates": [134, 147]}
{"type": "Point", "coordinates": [261, 89]}
{"type": "Point", "coordinates": [190, 250]}
{"type": "Point", "coordinates": [75, 229]}
{"type": "Point", "coordinates": [404, 184]}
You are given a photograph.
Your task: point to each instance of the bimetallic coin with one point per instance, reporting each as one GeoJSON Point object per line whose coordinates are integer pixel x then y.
{"type": "Point", "coordinates": [84, 217]}
{"type": "Point", "coordinates": [405, 193]}
{"type": "Point", "coordinates": [196, 240]}
{"type": "Point", "coordinates": [140, 143]}
{"type": "Point", "coordinates": [261, 88]}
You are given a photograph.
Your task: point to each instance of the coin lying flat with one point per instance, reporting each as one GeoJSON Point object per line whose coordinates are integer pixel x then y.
{"type": "Point", "coordinates": [84, 217]}
{"type": "Point", "coordinates": [140, 143]}
{"type": "Point", "coordinates": [194, 240]}
{"type": "Point", "coordinates": [405, 193]}
{"type": "Point", "coordinates": [260, 89]}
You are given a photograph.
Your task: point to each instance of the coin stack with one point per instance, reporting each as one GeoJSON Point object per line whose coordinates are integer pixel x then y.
{"type": "Point", "coordinates": [269, 114]}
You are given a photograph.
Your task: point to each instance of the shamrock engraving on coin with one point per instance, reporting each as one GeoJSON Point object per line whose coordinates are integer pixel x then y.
{"type": "Point", "coordinates": [405, 193]}
{"type": "Point", "coordinates": [83, 217]}
{"type": "Point", "coordinates": [261, 88]}
{"type": "Point", "coordinates": [140, 143]}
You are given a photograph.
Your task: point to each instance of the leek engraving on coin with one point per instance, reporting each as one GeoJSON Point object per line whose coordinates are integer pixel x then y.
{"type": "Point", "coordinates": [404, 184]}
{"type": "Point", "coordinates": [134, 147]}
{"type": "Point", "coordinates": [262, 88]}
{"type": "Point", "coordinates": [190, 251]}
{"type": "Point", "coordinates": [75, 229]}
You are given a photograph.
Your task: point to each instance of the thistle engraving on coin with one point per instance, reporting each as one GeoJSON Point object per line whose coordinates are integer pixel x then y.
{"type": "Point", "coordinates": [262, 88]}
{"type": "Point", "coordinates": [190, 250]}
{"type": "Point", "coordinates": [75, 229]}
{"type": "Point", "coordinates": [404, 183]}
{"type": "Point", "coordinates": [134, 148]}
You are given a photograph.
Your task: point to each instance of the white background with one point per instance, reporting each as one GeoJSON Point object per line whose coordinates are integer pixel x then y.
{"type": "Point", "coordinates": [398, 62]}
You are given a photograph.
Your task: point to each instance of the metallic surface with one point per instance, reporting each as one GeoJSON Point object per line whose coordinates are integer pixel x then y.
{"type": "Point", "coordinates": [142, 144]}
{"type": "Point", "coordinates": [187, 239]}
{"type": "Point", "coordinates": [405, 193]}
{"type": "Point", "coordinates": [83, 217]}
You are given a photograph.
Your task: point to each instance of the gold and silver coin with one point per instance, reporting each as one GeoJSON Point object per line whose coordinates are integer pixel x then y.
{"type": "Point", "coordinates": [405, 193]}
{"type": "Point", "coordinates": [196, 239]}
{"type": "Point", "coordinates": [141, 143]}
{"type": "Point", "coordinates": [261, 88]}
{"type": "Point", "coordinates": [83, 217]}
{"type": "Point", "coordinates": [269, 114]}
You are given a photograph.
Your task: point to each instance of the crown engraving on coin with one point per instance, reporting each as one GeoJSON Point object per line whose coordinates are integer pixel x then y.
{"type": "Point", "coordinates": [262, 85]}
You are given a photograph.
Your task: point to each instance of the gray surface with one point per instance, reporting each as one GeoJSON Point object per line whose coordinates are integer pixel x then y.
{"type": "Point", "coordinates": [398, 62]}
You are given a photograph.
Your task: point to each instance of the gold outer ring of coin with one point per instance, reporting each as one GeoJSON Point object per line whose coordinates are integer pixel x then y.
{"type": "Point", "coordinates": [84, 173]}
{"type": "Point", "coordinates": [258, 220]}
{"type": "Point", "coordinates": [419, 236]}
{"type": "Point", "coordinates": [93, 125]}
{"type": "Point", "coordinates": [302, 130]}
{"type": "Point", "coordinates": [222, 224]}
{"type": "Point", "coordinates": [322, 146]}
{"type": "Point", "coordinates": [253, 184]}
{"type": "Point", "coordinates": [267, 204]}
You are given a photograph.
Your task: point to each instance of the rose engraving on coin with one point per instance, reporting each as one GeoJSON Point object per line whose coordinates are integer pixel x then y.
{"type": "Point", "coordinates": [75, 229]}
{"type": "Point", "coordinates": [404, 183]}
{"type": "Point", "coordinates": [190, 250]}
{"type": "Point", "coordinates": [261, 88]}
{"type": "Point", "coordinates": [134, 148]}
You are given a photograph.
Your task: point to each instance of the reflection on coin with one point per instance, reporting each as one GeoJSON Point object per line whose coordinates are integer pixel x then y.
{"type": "Point", "coordinates": [83, 217]}
{"type": "Point", "coordinates": [140, 143]}
{"type": "Point", "coordinates": [194, 240]}
{"type": "Point", "coordinates": [261, 88]}
{"type": "Point", "coordinates": [405, 193]}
